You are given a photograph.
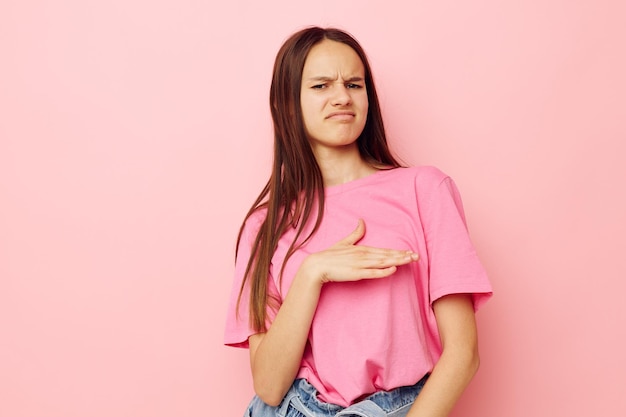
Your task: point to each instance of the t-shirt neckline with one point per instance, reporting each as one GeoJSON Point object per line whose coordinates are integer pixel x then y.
{"type": "Point", "coordinates": [358, 182]}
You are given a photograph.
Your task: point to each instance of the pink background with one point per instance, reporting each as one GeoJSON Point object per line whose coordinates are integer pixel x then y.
{"type": "Point", "coordinates": [135, 134]}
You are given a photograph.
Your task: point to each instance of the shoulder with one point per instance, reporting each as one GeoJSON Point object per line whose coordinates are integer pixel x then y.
{"type": "Point", "coordinates": [257, 216]}
{"type": "Point", "coordinates": [428, 174]}
{"type": "Point", "coordinates": [252, 224]}
{"type": "Point", "coordinates": [422, 177]}
{"type": "Point", "coordinates": [431, 186]}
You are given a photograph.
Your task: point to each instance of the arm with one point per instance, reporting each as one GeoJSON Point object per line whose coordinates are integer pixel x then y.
{"type": "Point", "coordinates": [459, 360]}
{"type": "Point", "coordinates": [275, 356]}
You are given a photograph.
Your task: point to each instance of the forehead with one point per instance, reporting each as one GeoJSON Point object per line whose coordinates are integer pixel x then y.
{"type": "Point", "coordinates": [332, 58]}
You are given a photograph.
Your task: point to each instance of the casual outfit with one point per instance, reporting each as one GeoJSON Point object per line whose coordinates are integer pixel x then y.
{"type": "Point", "coordinates": [373, 336]}
{"type": "Point", "coordinates": [301, 400]}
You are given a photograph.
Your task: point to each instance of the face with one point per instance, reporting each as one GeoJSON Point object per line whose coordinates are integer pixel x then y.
{"type": "Point", "coordinates": [333, 96]}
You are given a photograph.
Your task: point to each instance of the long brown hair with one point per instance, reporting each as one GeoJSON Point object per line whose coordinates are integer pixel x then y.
{"type": "Point", "coordinates": [296, 186]}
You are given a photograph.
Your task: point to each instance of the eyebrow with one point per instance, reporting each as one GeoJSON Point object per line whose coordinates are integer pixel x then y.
{"type": "Point", "coordinates": [326, 79]}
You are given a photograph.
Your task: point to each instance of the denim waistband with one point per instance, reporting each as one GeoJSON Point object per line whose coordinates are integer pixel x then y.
{"type": "Point", "coordinates": [302, 396]}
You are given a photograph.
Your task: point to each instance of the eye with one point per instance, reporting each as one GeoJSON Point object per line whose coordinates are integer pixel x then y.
{"type": "Point", "coordinates": [353, 86]}
{"type": "Point", "coordinates": [318, 86]}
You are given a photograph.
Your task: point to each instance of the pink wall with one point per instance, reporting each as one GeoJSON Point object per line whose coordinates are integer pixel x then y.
{"type": "Point", "coordinates": [134, 135]}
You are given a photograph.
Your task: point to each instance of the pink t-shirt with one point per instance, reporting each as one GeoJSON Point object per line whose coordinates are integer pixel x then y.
{"type": "Point", "coordinates": [379, 334]}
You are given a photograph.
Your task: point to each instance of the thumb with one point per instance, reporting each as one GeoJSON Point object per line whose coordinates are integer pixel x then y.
{"type": "Point", "coordinates": [356, 235]}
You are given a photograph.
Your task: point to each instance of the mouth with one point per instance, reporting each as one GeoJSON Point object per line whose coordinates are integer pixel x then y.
{"type": "Point", "coordinates": [341, 115]}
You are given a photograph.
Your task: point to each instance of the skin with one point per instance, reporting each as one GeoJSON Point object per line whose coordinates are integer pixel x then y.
{"type": "Point", "coordinates": [334, 106]}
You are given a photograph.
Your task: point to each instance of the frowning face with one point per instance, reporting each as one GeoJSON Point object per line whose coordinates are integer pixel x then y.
{"type": "Point", "coordinates": [333, 96]}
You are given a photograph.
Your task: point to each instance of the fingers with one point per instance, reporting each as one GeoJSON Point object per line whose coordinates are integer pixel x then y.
{"type": "Point", "coordinates": [352, 263]}
{"type": "Point", "coordinates": [347, 261]}
{"type": "Point", "coordinates": [356, 274]}
{"type": "Point", "coordinates": [376, 273]}
{"type": "Point", "coordinates": [370, 257]}
{"type": "Point", "coordinates": [356, 235]}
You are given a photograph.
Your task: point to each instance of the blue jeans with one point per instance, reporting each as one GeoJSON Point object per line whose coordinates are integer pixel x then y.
{"type": "Point", "coordinates": [301, 401]}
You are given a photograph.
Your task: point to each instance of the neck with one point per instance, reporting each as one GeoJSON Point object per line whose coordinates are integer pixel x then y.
{"type": "Point", "coordinates": [341, 165]}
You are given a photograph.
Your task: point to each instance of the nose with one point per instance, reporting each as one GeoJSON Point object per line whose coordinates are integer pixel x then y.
{"type": "Point", "coordinates": [341, 96]}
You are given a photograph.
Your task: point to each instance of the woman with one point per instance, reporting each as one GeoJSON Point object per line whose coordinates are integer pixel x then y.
{"type": "Point", "coordinates": [356, 282]}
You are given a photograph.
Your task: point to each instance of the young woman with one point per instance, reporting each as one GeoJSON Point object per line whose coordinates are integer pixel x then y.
{"type": "Point", "coordinates": [355, 282]}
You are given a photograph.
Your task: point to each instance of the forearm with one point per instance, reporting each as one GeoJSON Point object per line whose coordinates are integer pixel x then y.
{"type": "Point", "coordinates": [276, 359]}
{"type": "Point", "coordinates": [451, 375]}
{"type": "Point", "coordinates": [459, 361]}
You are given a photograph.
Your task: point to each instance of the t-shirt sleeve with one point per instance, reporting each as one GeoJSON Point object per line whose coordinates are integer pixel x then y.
{"type": "Point", "coordinates": [454, 267]}
{"type": "Point", "coordinates": [238, 328]}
